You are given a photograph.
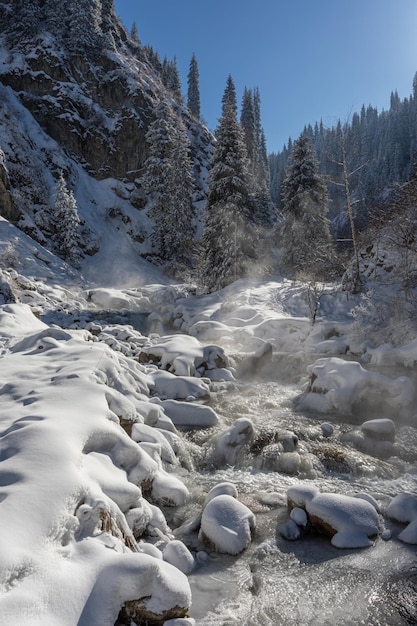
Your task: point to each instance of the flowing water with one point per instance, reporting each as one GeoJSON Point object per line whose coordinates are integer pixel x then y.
{"type": "Point", "coordinates": [308, 581]}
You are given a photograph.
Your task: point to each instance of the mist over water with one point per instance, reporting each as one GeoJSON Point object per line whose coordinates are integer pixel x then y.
{"type": "Point", "coordinates": [308, 581]}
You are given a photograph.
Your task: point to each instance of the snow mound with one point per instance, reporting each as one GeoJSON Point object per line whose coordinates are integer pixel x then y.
{"type": "Point", "coordinates": [350, 521]}
{"type": "Point", "coordinates": [227, 524]}
{"type": "Point", "coordinates": [71, 478]}
{"type": "Point", "coordinates": [403, 508]}
{"type": "Point", "coordinates": [345, 386]}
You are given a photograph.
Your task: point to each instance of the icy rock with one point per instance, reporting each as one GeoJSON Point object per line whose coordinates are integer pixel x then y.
{"type": "Point", "coordinates": [168, 490]}
{"type": "Point", "coordinates": [403, 508]}
{"type": "Point", "coordinates": [275, 460]}
{"type": "Point", "coordinates": [368, 498]}
{"type": "Point", "coordinates": [142, 433]}
{"type": "Point", "coordinates": [167, 385]}
{"type": "Point", "coordinates": [225, 488]}
{"type": "Point", "coordinates": [138, 519]}
{"type": "Point", "coordinates": [289, 530]}
{"type": "Point", "coordinates": [299, 516]}
{"type": "Point", "coordinates": [300, 495]}
{"type": "Point", "coordinates": [220, 374]}
{"type": "Point", "coordinates": [344, 386]}
{"type": "Point", "coordinates": [226, 525]}
{"type": "Point", "coordinates": [369, 445]}
{"type": "Point", "coordinates": [327, 429]}
{"type": "Point", "coordinates": [179, 555]}
{"type": "Point", "coordinates": [229, 444]}
{"type": "Point", "coordinates": [379, 429]}
{"type": "Point", "coordinates": [349, 521]}
{"type": "Point", "coordinates": [188, 414]}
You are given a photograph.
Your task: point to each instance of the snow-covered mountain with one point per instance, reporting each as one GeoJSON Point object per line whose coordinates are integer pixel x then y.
{"type": "Point", "coordinates": [80, 99]}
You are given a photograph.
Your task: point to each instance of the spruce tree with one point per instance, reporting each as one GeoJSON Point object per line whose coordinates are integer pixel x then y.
{"type": "Point", "coordinates": [247, 120]}
{"type": "Point", "coordinates": [65, 221]}
{"type": "Point", "coordinates": [193, 101]}
{"type": "Point", "coordinates": [168, 181]}
{"type": "Point", "coordinates": [228, 242]}
{"type": "Point", "coordinates": [307, 249]}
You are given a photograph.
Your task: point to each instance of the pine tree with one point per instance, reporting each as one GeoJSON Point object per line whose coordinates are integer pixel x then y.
{"type": "Point", "coordinates": [134, 33]}
{"type": "Point", "coordinates": [247, 121]}
{"type": "Point", "coordinates": [171, 77]}
{"type": "Point", "coordinates": [84, 31]}
{"type": "Point", "coordinates": [27, 16]}
{"type": "Point", "coordinates": [193, 93]}
{"type": "Point", "coordinates": [65, 221]}
{"type": "Point", "coordinates": [262, 206]}
{"type": "Point", "coordinates": [168, 180]}
{"type": "Point", "coordinates": [228, 241]}
{"type": "Point", "coordinates": [307, 249]}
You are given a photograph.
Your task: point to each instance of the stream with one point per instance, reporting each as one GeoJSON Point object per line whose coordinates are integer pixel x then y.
{"type": "Point", "coordinates": [308, 581]}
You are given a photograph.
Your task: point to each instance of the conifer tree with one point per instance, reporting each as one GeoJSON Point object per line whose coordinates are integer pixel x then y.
{"type": "Point", "coordinates": [307, 249]}
{"type": "Point", "coordinates": [27, 15]}
{"type": "Point", "coordinates": [193, 101]}
{"type": "Point", "coordinates": [247, 120]}
{"type": "Point", "coordinates": [134, 33]}
{"type": "Point", "coordinates": [171, 77]}
{"type": "Point", "coordinates": [228, 241]}
{"type": "Point", "coordinates": [168, 180]}
{"type": "Point", "coordinates": [65, 221]}
{"type": "Point", "coordinates": [262, 206]}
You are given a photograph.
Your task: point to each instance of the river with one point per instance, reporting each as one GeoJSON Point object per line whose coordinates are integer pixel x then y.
{"type": "Point", "coordinates": [308, 581]}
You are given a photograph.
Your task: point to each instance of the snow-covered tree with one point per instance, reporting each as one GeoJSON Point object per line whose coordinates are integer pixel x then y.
{"type": "Point", "coordinates": [65, 221]}
{"type": "Point", "coordinates": [171, 77]}
{"type": "Point", "coordinates": [228, 242]}
{"type": "Point", "coordinates": [193, 101]}
{"type": "Point", "coordinates": [84, 25]}
{"type": "Point", "coordinates": [26, 17]}
{"type": "Point", "coordinates": [247, 120]}
{"type": "Point", "coordinates": [263, 210]}
{"type": "Point", "coordinates": [134, 33]}
{"type": "Point", "coordinates": [168, 181]}
{"type": "Point", "coordinates": [307, 248]}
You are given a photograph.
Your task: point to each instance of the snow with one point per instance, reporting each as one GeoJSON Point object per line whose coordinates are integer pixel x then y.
{"type": "Point", "coordinates": [403, 508]}
{"type": "Point", "coordinates": [227, 524]}
{"type": "Point", "coordinates": [339, 386]}
{"type": "Point", "coordinates": [354, 519]}
{"type": "Point", "coordinates": [350, 520]}
{"type": "Point", "coordinates": [82, 502]}
{"type": "Point", "coordinates": [65, 461]}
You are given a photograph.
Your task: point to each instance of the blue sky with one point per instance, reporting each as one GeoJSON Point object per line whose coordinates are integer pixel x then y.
{"type": "Point", "coordinates": [311, 59]}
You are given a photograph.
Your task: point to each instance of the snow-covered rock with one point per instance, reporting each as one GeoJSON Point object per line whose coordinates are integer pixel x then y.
{"type": "Point", "coordinates": [403, 508]}
{"type": "Point", "coordinates": [345, 386]}
{"type": "Point", "coordinates": [350, 521]}
{"type": "Point", "coordinates": [227, 524]}
{"type": "Point", "coordinates": [379, 429]}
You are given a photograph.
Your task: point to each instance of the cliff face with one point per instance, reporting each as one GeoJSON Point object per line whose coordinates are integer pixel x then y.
{"type": "Point", "coordinates": [70, 72]}
{"type": "Point", "coordinates": [96, 100]}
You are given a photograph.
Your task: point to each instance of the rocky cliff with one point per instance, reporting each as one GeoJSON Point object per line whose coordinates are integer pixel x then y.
{"type": "Point", "coordinates": [78, 94]}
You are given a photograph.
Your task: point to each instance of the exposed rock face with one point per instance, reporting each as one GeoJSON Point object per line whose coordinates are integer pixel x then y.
{"type": "Point", "coordinates": [71, 68]}
{"type": "Point", "coordinates": [97, 109]}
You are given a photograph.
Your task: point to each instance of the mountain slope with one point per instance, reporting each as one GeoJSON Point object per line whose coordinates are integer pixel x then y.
{"type": "Point", "coordinates": [81, 101]}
